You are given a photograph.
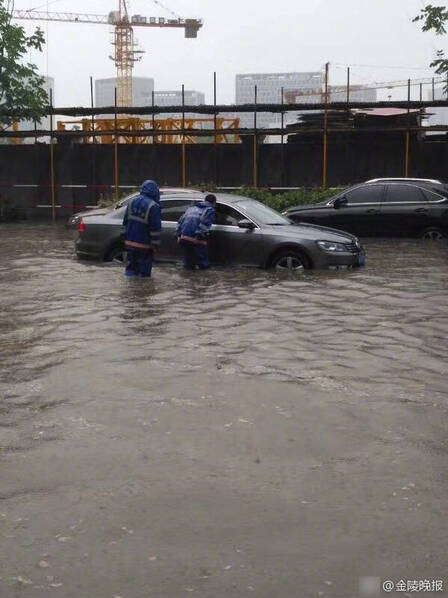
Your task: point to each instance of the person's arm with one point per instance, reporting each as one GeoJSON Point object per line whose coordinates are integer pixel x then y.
{"type": "Point", "coordinates": [207, 219]}
{"type": "Point", "coordinates": [155, 225]}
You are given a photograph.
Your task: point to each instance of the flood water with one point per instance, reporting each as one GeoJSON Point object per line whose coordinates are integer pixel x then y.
{"type": "Point", "coordinates": [233, 432]}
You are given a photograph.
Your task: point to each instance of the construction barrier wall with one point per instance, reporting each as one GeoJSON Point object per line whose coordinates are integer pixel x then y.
{"type": "Point", "coordinates": [85, 173]}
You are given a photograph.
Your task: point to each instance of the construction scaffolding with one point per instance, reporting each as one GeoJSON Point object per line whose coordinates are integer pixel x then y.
{"type": "Point", "coordinates": [165, 130]}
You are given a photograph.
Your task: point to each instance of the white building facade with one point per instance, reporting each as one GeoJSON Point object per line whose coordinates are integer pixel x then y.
{"type": "Point", "coordinates": [269, 91]}
{"type": "Point", "coordinates": [142, 88]}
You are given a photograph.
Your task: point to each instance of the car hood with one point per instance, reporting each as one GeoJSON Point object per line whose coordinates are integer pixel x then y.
{"type": "Point", "coordinates": [311, 206]}
{"type": "Point", "coordinates": [313, 232]}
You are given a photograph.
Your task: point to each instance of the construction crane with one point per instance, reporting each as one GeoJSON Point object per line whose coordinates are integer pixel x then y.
{"type": "Point", "coordinates": [126, 52]}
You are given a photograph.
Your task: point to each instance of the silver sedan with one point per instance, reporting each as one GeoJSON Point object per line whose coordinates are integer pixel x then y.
{"type": "Point", "coordinates": [246, 233]}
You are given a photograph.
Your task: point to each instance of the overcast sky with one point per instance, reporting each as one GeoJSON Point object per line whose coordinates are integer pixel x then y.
{"type": "Point", "coordinates": [375, 37]}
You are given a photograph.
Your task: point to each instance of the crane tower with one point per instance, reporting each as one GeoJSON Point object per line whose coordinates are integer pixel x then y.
{"type": "Point", "coordinates": [126, 52]}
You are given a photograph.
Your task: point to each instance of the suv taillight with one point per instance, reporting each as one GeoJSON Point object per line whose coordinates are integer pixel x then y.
{"type": "Point", "coordinates": [82, 226]}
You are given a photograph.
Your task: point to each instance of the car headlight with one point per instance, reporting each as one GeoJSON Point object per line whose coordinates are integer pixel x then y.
{"type": "Point", "coordinates": [332, 246]}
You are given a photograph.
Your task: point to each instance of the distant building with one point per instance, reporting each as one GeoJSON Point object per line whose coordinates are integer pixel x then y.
{"type": "Point", "coordinates": [174, 98]}
{"type": "Point", "coordinates": [269, 88]}
{"type": "Point", "coordinates": [358, 93]}
{"type": "Point", "coordinates": [142, 88]}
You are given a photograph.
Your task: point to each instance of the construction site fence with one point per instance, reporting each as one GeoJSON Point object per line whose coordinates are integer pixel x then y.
{"type": "Point", "coordinates": [320, 156]}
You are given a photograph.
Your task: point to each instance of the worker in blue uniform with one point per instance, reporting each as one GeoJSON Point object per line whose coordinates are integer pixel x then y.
{"type": "Point", "coordinates": [193, 230]}
{"type": "Point", "coordinates": [142, 222]}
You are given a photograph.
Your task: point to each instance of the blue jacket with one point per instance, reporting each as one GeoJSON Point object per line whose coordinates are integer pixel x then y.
{"type": "Point", "coordinates": [143, 219]}
{"type": "Point", "coordinates": [196, 222]}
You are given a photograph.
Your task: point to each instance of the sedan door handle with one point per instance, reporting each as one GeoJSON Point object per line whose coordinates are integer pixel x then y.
{"type": "Point", "coordinates": [421, 210]}
{"type": "Point", "coordinates": [372, 211]}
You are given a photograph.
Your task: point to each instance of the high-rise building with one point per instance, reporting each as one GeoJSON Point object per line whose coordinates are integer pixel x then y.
{"type": "Point", "coordinates": [269, 90]}
{"type": "Point", "coordinates": [142, 88]}
{"type": "Point", "coordinates": [174, 98]}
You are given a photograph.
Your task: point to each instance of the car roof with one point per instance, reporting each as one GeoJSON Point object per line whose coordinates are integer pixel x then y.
{"type": "Point", "coordinates": [404, 180]}
{"type": "Point", "coordinates": [228, 198]}
{"type": "Point", "coordinates": [178, 190]}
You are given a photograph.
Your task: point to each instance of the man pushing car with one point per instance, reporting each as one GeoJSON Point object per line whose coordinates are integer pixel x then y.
{"type": "Point", "coordinates": [193, 230]}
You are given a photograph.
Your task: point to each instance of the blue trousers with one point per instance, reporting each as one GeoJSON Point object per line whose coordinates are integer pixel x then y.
{"type": "Point", "coordinates": [195, 255]}
{"type": "Point", "coordinates": [139, 263]}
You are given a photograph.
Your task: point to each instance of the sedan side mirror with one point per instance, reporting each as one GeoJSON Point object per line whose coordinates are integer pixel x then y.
{"type": "Point", "coordinates": [339, 202]}
{"type": "Point", "coordinates": [246, 224]}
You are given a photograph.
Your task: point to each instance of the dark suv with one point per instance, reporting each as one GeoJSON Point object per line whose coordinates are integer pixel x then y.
{"type": "Point", "coordinates": [385, 208]}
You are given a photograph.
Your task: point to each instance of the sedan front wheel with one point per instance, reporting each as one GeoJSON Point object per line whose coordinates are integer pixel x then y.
{"type": "Point", "coordinates": [289, 260]}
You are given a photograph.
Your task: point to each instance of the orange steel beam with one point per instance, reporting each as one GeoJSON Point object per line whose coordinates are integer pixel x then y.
{"type": "Point", "coordinates": [164, 126]}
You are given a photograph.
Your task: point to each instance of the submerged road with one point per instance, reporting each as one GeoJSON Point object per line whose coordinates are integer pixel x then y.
{"type": "Point", "coordinates": [232, 433]}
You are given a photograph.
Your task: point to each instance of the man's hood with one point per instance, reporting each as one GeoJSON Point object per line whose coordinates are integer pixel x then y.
{"type": "Point", "coordinates": [151, 189]}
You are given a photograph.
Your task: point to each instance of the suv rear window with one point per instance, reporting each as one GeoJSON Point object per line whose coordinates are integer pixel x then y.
{"type": "Point", "coordinates": [434, 194]}
{"type": "Point", "coordinates": [403, 194]}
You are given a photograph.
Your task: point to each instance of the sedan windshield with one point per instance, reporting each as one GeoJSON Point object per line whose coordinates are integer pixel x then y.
{"type": "Point", "coordinates": [261, 213]}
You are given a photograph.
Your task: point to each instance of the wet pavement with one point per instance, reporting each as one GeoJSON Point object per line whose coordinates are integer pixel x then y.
{"type": "Point", "coordinates": [228, 433]}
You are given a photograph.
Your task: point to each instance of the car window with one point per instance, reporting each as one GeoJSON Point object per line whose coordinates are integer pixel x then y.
{"type": "Point", "coordinates": [173, 209]}
{"type": "Point", "coordinates": [261, 213]}
{"type": "Point", "coordinates": [227, 215]}
{"type": "Point", "coordinates": [368, 194]}
{"type": "Point", "coordinates": [403, 193]}
{"type": "Point", "coordinates": [432, 195]}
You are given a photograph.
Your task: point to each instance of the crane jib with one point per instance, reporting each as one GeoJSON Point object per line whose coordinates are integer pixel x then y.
{"type": "Point", "coordinates": [111, 19]}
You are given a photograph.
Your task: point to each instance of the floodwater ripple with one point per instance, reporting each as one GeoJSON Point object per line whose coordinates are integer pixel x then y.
{"type": "Point", "coordinates": [386, 323]}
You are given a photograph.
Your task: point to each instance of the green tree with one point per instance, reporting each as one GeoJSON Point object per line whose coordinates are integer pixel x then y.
{"type": "Point", "coordinates": [21, 88]}
{"type": "Point", "coordinates": [434, 18]}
